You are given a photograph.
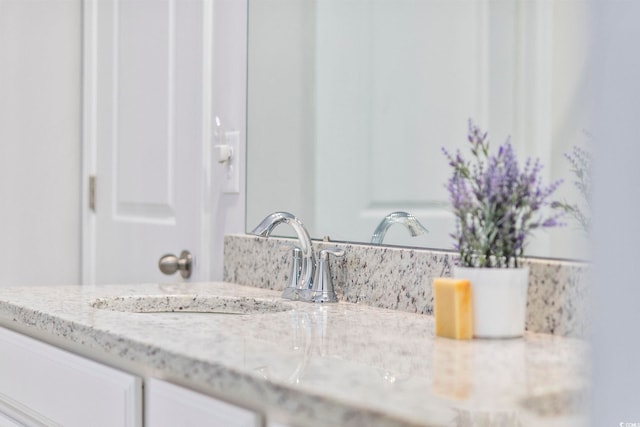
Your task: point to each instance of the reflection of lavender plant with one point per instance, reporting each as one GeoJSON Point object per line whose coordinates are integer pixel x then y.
{"type": "Point", "coordinates": [496, 204]}
{"type": "Point", "coordinates": [580, 160]}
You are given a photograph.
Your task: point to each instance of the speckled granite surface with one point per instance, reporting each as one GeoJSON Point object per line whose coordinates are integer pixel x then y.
{"type": "Point", "coordinates": [308, 364]}
{"type": "Point", "coordinates": [400, 279]}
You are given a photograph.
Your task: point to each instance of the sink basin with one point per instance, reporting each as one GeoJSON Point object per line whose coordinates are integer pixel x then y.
{"type": "Point", "coordinates": [190, 304]}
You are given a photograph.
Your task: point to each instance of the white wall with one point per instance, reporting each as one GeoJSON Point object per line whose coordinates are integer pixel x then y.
{"type": "Point", "coordinates": [616, 317]}
{"type": "Point", "coordinates": [280, 85]}
{"type": "Point", "coordinates": [40, 70]}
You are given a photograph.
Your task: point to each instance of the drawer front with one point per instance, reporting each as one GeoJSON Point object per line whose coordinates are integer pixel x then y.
{"type": "Point", "coordinates": [168, 405]}
{"type": "Point", "coordinates": [54, 387]}
{"type": "Point", "coordinates": [6, 421]}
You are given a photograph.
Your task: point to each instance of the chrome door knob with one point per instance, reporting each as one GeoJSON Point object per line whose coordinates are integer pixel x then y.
{"type": "Point", "coordinates": [170, 263]}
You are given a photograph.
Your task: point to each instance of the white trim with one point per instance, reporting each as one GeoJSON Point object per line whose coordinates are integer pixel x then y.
{"type": "Point", "coordinates": [89, 137]}
{"type": "Point", "coordinates": [542, 96]}
{"type": "Point", "coordinates": [16, 414]}
{"type": "Point", "coordinates": [533, 102]}
{"type": "Point", "coordinates": [115, 86]}
{"type": "Point", "coordinates": [481, 47]}
{"type": "Point", "coordinates": [207, 134]}
{"type": "Point", "coordinates": [171, 72]}
{"type": "Point", "coordinates": [534, 81]}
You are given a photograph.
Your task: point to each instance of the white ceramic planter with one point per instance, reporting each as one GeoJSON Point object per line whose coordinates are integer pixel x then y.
{"type": "Point", "coordinates": [499, 298]}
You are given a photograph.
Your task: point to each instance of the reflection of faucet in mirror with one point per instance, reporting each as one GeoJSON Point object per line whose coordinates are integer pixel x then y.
{"type": "Point", "coordinates": [309, 286]}
{"type": "Point", "coordinates": [409, 221]}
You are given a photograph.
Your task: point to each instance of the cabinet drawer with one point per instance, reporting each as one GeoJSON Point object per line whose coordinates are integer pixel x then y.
{"type": "Point", "coordinates": [168, 405]}
{"type": "Point", "coordinates": [6, 421]}
{"type": "Point", "coordinates": [55, 387]}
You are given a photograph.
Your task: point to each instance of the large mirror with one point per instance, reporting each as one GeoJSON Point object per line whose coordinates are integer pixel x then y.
{"type": "Point", "coordinates": [350, 102]}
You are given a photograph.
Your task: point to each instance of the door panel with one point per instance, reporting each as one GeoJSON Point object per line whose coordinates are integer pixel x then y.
{"type": "Point", "coordinates": [143, 63]}
{"type": "Point", "coordinates": [168, 405]}
{"type": "Point", "coordinates": [146, 90]}
{"type": "Point", "coordinates": [391, 91]}
{"type": "Point", "coordinates": [43, 385]}
{"type": "Point", "coordinates": [359, 101]}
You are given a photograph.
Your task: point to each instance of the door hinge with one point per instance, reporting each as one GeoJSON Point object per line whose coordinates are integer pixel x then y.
{"type": "Point", "coordinates": [92, 192]}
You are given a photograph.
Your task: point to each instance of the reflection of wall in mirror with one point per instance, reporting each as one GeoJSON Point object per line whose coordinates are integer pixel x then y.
{"type": "Point", "coordinates": [354, 100]}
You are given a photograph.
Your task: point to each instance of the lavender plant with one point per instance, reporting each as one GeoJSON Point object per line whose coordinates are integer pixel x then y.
{"type": "Point", "coordinates": [497, 205]}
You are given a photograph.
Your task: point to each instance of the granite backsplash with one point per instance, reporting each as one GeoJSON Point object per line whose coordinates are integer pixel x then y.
{"type": "Point", "coordinates": [400, 278]}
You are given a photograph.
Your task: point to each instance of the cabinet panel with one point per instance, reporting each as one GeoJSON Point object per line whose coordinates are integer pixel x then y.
{"type": "Point", "coordinates": [5, 421]}
{"type": "Point", "coordinates": [59, 388]}
{"type": "Point", "coordinates": [167, 405]}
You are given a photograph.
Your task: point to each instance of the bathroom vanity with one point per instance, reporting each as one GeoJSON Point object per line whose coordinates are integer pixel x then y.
{"type": "Point", "coordinates": [250, 358]}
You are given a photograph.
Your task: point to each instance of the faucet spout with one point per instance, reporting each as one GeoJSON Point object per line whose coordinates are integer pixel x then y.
{"type": "Point", "coordinates": [307, 269]}
{"type": "Point", "coordinates": [409, 221]}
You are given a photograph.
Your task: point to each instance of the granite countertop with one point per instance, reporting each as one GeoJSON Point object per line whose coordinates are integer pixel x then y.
{"type": "Point", "coordinates": [314, 365]}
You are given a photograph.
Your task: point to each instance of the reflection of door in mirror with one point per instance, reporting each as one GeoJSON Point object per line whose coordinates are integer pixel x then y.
{"type": "Point", "coordinates": [356, 99]}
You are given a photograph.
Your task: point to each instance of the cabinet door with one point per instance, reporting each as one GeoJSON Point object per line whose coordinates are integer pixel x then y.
{"type": "Point", "coordinates": [43, 385]}
{"type": "Point", "coordinates": [6, 421]}
{"type": "Point", "coordinates": [167, 405]}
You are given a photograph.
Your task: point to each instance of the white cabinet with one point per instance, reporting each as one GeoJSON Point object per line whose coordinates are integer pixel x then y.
{"type": "Point", "coordinates": [167, 405]}
{"type": "Point", "coordinates": [6, 421]}
{"type": "Point", "coordinates": [44, 385]}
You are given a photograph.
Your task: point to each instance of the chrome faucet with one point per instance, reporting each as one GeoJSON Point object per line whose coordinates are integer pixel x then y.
{"type": "Point", "coordinates": [308, 264]}
{"type": "Point", "coordinates": [310, 282]}
{"type": "Point", "coordinates": [409, 221]}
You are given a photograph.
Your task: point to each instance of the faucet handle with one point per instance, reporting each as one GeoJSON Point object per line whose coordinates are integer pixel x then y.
{"type": "Point", "coordinates": [291, 290]}
{"type": "Point", "coordinates": [337, 252]}
{"type": "Point", "coordinates": [322, 290]}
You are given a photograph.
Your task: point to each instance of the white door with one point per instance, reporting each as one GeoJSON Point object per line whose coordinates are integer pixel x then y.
{"type": "Point", "coordinates": [493, 67]}
{"type": "Point", "coordinates": [368, 69]}
{"type": "Point", "coordinates": [145, 66]}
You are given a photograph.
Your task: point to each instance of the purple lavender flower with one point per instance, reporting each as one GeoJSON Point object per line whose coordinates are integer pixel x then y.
{"type": "Point", "coordinates": [496, 204]}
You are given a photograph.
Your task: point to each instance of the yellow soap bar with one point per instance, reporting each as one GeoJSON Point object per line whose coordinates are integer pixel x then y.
{"type": "Point", "coordinates": [452, 308]}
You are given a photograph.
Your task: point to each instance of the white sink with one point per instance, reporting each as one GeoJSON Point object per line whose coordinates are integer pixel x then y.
{"type": "Point", "coordinates": [190, 304]}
